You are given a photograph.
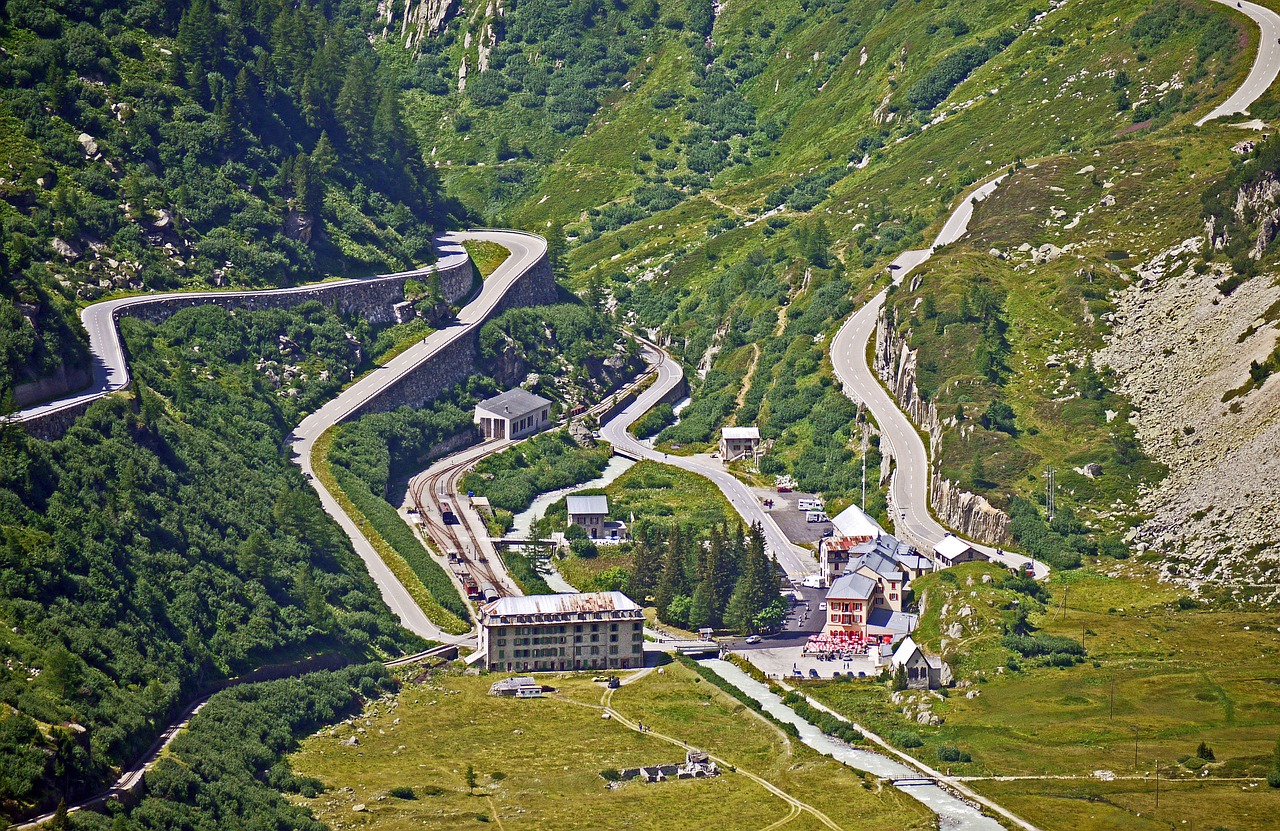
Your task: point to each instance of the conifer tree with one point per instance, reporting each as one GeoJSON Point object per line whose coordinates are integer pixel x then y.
{"type": "Point", "coordinates": [672, 582]}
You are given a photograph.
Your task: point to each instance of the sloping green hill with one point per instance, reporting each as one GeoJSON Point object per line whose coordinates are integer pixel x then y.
{"type": "Point", "coordinates": [156, 145]}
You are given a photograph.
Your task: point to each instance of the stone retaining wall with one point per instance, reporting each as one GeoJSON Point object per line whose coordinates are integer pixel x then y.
{"type": "Point", "coordinates": [374, 299]}
{"type": "Point", "coordinates": [60, 383]}
{"type": "Point", "coordinates": [457, 361]}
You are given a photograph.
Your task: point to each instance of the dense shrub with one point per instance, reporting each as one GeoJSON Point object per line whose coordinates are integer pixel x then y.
{"type": "Point", "coordinates": [906, 738]}
{"type": "Point", "coordinates": [1031, 646]}
{"type": "Point", "coordinates": [512, 479]}
{"type": "Point", "coordinates": [948, 73]}
{"type": "Point", "coordinates": [652, 422]}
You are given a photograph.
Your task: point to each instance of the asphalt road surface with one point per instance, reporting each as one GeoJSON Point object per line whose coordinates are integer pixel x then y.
{"type": "Point", "coordinates": [106, 351]}
{"type": "Point", "coordinates": [796, 561]}
{"type": "Point", "coordinates": [909, 487]}
{"type": "Point", "coordinates": [1266, 65]}
{"type": "Point", "coordinates": [526, 250]}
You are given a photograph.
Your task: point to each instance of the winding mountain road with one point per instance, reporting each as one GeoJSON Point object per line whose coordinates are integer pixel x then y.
{"type": "Point", "coordinates": [909, 487]}
{"type": "Point", "coordinates": [796, 561]}
{"type": "Point", "coordinates": [110, 364]}
{"type": "Point", "coordinates": [527, 251]}
{"type": "Point", "coordinates": [1266, 64]}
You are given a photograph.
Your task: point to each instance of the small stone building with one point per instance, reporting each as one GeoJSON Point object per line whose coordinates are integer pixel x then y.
{"type": "Point", "coordinates": [513, 415]}
{"type": "Point", "coordinates": [739, 443]}
{"type": "Point", "coordinates": [924, 672]}
{"type": "Point", "coordinates": [590, 513]}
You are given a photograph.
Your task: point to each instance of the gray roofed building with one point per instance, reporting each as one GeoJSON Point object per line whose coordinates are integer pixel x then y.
{"type": "Point", "coordinates": [513, 414]}
{"type": "Point", "coordinates": [852, 586]}
{"type": "Point", "coordinates": [593, 504]}
{"type": "Point", "coordinates": [951, 550]}
{"type": "Point", "coordinates": [889, 622]}
{"type": "Point", "coordinates": [518, 401]}
{"type": "Point", "coordinates": [591, 514]}
{"type": "Point", "coordinates": [886, 567]}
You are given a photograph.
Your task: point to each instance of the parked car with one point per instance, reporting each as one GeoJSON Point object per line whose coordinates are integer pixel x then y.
{"type": "Point", "coordinates": [783, 489]}
{"type": "Point", "coordinates": [754, 639]}
{"type": "Point", "coordinates": [813, 673]}
{"type": "Point", "coordinates": [822, 607]}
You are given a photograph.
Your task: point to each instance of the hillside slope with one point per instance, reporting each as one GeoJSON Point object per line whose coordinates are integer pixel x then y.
{"type": "Point", "coordinates": [156, 145]}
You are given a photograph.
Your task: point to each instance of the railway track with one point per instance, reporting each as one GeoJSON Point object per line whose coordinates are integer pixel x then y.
{"type": "Point", "coordinates": [458, 533]}
{"type": "Point", "coordinates": [463, 540]}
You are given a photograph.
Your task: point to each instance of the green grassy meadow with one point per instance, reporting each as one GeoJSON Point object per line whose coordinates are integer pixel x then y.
{"type": "Point", "coordinates": [537, 763]}
{"type": "Point", "coordinates": [1177, 674]}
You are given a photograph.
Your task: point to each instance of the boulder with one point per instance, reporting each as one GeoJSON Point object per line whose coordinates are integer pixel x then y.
{"type": "Point", "coordinates": [1092, 470]}
{"type": "Point", "coordinates": [65, 249]}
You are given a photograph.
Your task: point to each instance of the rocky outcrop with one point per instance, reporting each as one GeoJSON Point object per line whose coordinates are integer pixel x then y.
{"type": "Point", "coordinates": [968, 513]}
{"type": "Point", "coordinates": [418, 20]}
{"type": "Point", "coordinates": [1181, 352]}
{"type": "Point", "coordinates": [1255, 212]}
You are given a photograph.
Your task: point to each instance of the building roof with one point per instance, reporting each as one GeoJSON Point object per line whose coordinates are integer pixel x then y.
{"type": "Point", "coordinates": [562, 604]}
{"type": "Point", "coordinates": [597, 504]}
{"type": "Point", "coordinates": [880, 564]}
{"type": "Point", "coordinates": [951, 547]}
{"type": "Point", "coordinates": [516, 682]}
{"type": "Point", "coordinates": [915, 562]}
{"type": "Point", "coordinates": [906, 648]}
{"type": "Point", "coordinates": [857, 586]}
{"type": "Point", "coordinates": [740, 433]}
{"type": "Point", "coordinates": [863, 544]}
{"type": "Point", "coordinates": [854, 522]}
{"type": "Point", "coordinates": [513, 403]}
{"type": "Point", "coordinates": [892, 623]}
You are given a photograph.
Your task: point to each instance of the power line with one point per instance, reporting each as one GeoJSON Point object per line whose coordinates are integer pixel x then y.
{"type": "Point", "coordinates": [1051, 485]}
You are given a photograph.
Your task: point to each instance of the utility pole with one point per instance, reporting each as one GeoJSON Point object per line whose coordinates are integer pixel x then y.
{"type": "Point", "coordinates": [1135, 748]}
{"type": "Point", "coordinates": [1157, 783]}
{"type": "Point", "coordinates": [1050, 487]}
{"type": "Point", "coordinates": [1113, 699]}
{"type": "Point", "coordinates": [864, 471]}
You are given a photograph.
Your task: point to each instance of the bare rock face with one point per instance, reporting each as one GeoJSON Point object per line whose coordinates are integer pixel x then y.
{"type": "Point", "coordinates": [65, 249]}
{"type": "Point", "coordinates": [299, 226]}
{"type": "Point", "coordinates": [970, 514]}
{"type": "Point", "coordinates": [419, 19]}
{"type": "Point", "coordinates": [1178, 348]}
